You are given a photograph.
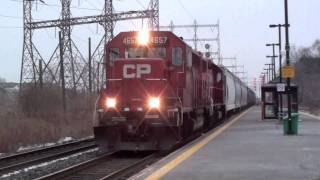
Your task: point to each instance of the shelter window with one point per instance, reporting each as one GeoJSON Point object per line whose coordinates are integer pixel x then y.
{"type": "Point", "coordinates": [114, 53]}
{"type": "Point", "coordinates": [135, 52]}
{"type": "Point", "coordinates": [177, 56]}
{"type": "Point", "coordinates": [157, 52]}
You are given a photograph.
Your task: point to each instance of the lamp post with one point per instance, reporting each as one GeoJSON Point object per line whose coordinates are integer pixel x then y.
{"type": "Point", "coordinates": [273, 58]}
{"type": "Point", "coordinates": [272, 66]}
{"type": "Point", "coordinates": [263, 76]}
{"type": "Point", "coordinates": [268, 74]}
{"type": "Point", "coordinates": [280, 61]}
{"type": "Point", "coordinates": [288, 61]}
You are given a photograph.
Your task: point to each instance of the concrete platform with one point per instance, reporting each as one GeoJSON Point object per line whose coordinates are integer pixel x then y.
{"type": "Point", "coordinates": [246, 148]}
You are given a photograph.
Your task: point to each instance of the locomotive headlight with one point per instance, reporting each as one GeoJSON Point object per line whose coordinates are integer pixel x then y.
{"type": "Point", "coordinates": [111, 103]}
{"type": "Point", "coordinates": [154, 102]}
{"type": "Point", "coordinates": [143, 37]}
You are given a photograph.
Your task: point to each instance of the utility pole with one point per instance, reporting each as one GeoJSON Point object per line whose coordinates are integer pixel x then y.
{"type": "Point", "coordinates": [90, 65]}
{"type": "Point", "coordinates": [273, 60]}
{"type": "Point", "coordinates": [280, 63]}
{"type": "Point", "coordinates": [268, 74]}
{"type": "Point", "coordinates": [270, 71]}
{"type": "Point", "coordinates": [288, 62]}
{"type": "Point", "coordinates": [63, 87]}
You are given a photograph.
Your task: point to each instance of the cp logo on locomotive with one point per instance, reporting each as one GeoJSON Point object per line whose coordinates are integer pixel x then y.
{"type": "Point", "coordinates": [135, 70]}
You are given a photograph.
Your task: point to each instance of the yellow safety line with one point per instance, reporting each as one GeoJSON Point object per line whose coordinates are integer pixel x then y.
{"type": "Point", "coordinates": [175, 162]}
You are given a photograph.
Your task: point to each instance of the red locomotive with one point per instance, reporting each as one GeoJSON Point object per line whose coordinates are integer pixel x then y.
{"type": "Point", "coordinates": [160, 91]}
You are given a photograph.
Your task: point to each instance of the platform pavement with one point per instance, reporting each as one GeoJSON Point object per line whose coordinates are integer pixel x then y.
{"type": "Point", "coordinates": [250, 149]}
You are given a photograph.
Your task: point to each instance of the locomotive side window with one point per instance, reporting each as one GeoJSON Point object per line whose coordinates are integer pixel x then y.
{"type": "Point", "coordinates": [219, 78]}
{"type": "Point", "coordinates": [177, 56]}
{"type": "Point", "coordinates": [189, 57]}
{"type": "Point", "coordinates": [114, 53]}
{"type": "Point", "coordinates": [134, 52]}
{"type": "Point", "coordinates": [157, 52]}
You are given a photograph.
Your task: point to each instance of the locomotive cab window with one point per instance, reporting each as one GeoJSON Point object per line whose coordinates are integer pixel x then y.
{"type": "Point", "coordinates": [157, 52]}
{"type": "Point", "coordinates": [114, 53]}
{"type": "Point", "coordinates": [177, 56]}
{"type": "Point", "coordinates": [145, 52]}
{"type": "Point", "coordinates": [135, 52]}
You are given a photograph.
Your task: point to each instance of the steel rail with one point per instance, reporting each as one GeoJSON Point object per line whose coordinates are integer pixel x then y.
{"type": "Point", "coordinates": [95, 168]}
{"type": "Point", "coordinates": [126, 170]}
{"type": "Point", "coordinates": [73, 169]}
{"type": "Point", "coordinates": [21, 160]}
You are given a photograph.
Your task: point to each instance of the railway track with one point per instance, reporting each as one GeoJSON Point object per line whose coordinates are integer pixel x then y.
{"type": "Point", "coordinates": [115, 165]}
{"type": "Point", "coordinates": [26, 159]}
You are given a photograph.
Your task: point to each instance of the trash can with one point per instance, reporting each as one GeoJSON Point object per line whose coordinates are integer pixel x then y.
{"type": "Point", "coordinates": [294, 124]}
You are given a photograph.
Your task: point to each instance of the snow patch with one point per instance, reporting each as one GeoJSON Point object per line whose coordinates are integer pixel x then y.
{"type": "Point", "coordinates": [38, 146]}
{"type": "Point", "coordinates": [35, 146]}
{"type": "Point", "coordinates": [88, 137]}
{"type": "Point", "coordinates": [65, 140]}
{"type": "Point", "coordinates": [47, 163]}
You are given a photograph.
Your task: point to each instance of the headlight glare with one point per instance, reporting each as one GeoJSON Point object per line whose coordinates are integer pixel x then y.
{"type": "Point", "coordinates": [143, 37]}
{"type": "Point", "coordinates": [111, 103]}
{"type": "Point", "coordinates": [154, 102]}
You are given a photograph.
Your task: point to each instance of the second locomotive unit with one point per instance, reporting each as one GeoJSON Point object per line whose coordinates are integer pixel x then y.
{"type": "Point", "coordinates": [159, 91]}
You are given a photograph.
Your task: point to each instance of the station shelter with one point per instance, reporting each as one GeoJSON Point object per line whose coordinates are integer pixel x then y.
{"type": "Point", "coordinates": [270, 100]}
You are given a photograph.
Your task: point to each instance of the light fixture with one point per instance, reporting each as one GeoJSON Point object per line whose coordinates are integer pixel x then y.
{"type": "Point", "coordinates": [143, 37]}
{"type": "Point", "coordinates": [111, 103]}
{"type": "Point", "coordinates": [154, 102]}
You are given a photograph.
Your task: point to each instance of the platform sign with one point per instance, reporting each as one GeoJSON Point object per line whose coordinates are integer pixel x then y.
{"type": "Point", "coordinates": [281, 87]}
{"type": "Point", "coordinates": [288, 72]}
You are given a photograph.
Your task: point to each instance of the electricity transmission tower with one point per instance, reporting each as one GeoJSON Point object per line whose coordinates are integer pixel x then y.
{"type": "Point", "coordinates": [215, 38]}
{"type": "Point", "coordinates": [37, 71]}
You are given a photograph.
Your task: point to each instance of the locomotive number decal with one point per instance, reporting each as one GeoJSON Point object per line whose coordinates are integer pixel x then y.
{"type": "Point", "coordinates": [159, 40]}
{"type": "Point", "coordinates": [156, 40]}
{"type": "Point", "coordinates": [135, 70]}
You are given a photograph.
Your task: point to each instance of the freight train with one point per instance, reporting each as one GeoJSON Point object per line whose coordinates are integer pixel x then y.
{"type": "Point", "coordinates": [159, 91]}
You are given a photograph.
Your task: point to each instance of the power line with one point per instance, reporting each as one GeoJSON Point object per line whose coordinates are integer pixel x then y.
{"type": "Point", "coordinates": [12, 17]}
{"type": "Point", "coordinates": [93, 5]}
{"type": "Point", "coordinates": [56, 5]}
{"type": "Point", "coordinates": [11, 27]}
{"type": "Point", "coordinates": [16, 17]}
{"type": "Point", "coordinates": [139, 2]}
{"type": "Point", "coordinates": [185, 9]}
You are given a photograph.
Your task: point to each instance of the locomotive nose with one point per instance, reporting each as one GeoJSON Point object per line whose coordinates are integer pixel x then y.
{"type": "Point", "coordinates": [141, 81]}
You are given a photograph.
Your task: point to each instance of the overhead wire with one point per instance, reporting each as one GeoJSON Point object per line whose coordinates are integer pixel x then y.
{"type": "Point", "coordinates": [12, 17]}
{"type": "Point", "coordinates": [56, 5]}
{"type": "Point", "coordinates": [189, 14]}
{"type": "Point", "coordinates": [141, 4]}
{"type": "Point", "coordinates": [11, 27]}
{"type": "Point", "coordinates": [185, 9]}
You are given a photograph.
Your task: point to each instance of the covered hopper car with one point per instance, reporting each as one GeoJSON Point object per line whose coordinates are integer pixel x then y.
{"type": "Point", "coordinates": [160, 91]}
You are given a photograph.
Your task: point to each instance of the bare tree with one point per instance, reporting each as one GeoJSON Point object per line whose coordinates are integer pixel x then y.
{"type": "Point", "coordinates": [308, 75]}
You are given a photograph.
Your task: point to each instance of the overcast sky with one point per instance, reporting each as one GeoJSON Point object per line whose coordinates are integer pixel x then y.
{"type": "Point", "coordinates": [244, 26]}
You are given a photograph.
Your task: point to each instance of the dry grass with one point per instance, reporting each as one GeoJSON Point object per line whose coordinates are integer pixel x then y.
{"type": "Point", "coordinates": [16, 131]}
{"type": "Point", "coordinates": [36, 117]}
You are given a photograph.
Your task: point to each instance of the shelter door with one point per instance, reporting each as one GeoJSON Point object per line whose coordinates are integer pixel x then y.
{"type": "Point", "coordinates": [270, 107]}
